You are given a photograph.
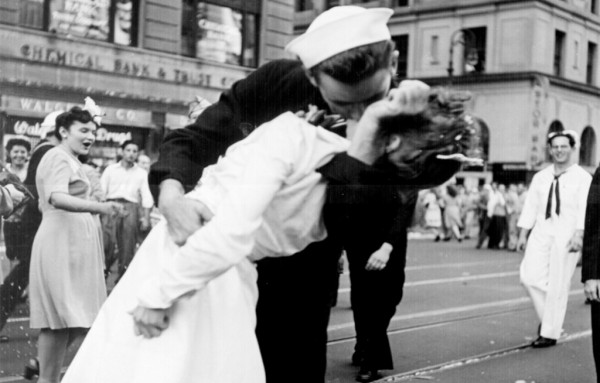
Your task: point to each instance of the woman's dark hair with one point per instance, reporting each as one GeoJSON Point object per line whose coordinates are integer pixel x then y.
{"type": "Point", "coordinates": [18, 142]}
{"type": "Point", "coordinates": [452, 191]}
{"type": "Point", "coordinates": [444, 114]}
{"type": "Point", "coordinates": [356, 64]}
{"type": "Point", "coordinates": [66, 119]}
{"type": "Point", "coordinates": [441, 129]}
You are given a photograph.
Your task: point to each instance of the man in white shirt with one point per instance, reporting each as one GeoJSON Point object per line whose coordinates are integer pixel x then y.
{"type": "Point", "coordinates": [127, 183]}
{"type": "Point", "coordinates": [555, 209]}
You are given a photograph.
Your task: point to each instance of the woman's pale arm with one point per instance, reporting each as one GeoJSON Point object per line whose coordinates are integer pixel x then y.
{"type": "Point", "coordinates": [67, 202]}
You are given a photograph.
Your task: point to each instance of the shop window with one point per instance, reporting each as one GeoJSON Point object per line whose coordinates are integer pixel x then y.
{"type": "Point", "coordinates": [218, 33]}
{"type": "Point", "coordinates": [475, 50]}
{"type": "Point", "coordinates": [103, 20]}
{"type": "Point", "coordinates": [401, 42]}
{"type": "Point", "coordinates": [587, 148]}
{"type": "Point", "coordinates": [24, 13]}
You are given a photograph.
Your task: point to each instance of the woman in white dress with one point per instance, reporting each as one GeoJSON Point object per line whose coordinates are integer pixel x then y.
{"type": "Point", "coordinates": [195, 304]}
{"type": "Point", "coordinates": [66, 288]}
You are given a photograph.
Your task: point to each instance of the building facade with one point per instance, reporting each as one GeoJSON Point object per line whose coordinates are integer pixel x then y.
{"type": "Point", "coordinates": [531, 65]}
{"type": "Point", "coordinates": [142, 61]}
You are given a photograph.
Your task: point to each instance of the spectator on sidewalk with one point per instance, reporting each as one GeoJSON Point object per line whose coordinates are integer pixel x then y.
{"type": "Point", "coordinates": [452, 214]}
{"type": "Point", "coordinates": [15, 284]}
{"type": "Point", "coordinates": [497, 215]}
{"type": "Point", "coordinates": [552, 224]}
{"type": "Point", "coordinates": [484, 214]}
{"type": "Point", "coordinates": [126, 184]}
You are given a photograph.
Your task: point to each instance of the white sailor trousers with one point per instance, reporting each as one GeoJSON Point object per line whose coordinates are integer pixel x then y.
{"type": "Point", "coordinates": [546, 272]}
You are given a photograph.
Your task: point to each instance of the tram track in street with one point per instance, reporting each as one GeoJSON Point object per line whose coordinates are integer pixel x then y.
{"type": "Point", "coordinates": [434, 324]}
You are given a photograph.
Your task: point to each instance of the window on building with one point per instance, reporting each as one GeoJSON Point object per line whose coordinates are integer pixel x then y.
{"type": "Point", "coordinates": [104, 20]}
{"type": "Point", "coordinates": [220, 34]}
{"type": "Point", "coordinates": [31, 14]}
{"type": "Point", "coordinates": [304, 5]}
{"type": "Point", "coordinates": [434, 49]}
{"type": "Point", "coordinates": [590, 73]}
{"type": "Point", "coordinates": [481, 140]}
{"type": "Point", "coordinates": [575, 54]}
{"type": "Point", "coordinates": [402, 48]}
{"type": "Point", "coordinates": [401, 3]}
{"type": "Point", "coordinates": [332, 3]}
{"type": "Point", "coordinates": [594, 7]}
{"type": "Point", "coordinates": [475, 54]}
{"type": "Point", "coordinates": [559, 46]}
{"type": "Point", "coordinates": [587, 150]}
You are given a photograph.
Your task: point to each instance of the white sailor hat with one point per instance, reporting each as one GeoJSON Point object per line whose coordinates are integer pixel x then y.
{"type": "Point", "coordinates": [49, 124]}
{"type": "Point", "coordinates": [340, 29]}
{"type": "Point", "coordinates": [563, 133]}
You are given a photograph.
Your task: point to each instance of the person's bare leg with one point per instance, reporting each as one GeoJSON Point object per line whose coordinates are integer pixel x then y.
{"type": "Point", "coordinates": [52, 347]}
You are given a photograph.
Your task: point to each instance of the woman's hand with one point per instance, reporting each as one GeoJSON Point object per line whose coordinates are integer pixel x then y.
{"type": "Point", "coordinates": [379, 259]}
{"type": "Point", "coordinates": [149, 323]}
{"type": "Point", "coordinates": [411, 97]}
{"type": "Point", "coordinates": [114, 209]}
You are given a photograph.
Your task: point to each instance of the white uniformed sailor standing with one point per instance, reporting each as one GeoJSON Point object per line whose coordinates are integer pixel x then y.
{"type": "Point", "coordinates": [554, 214]}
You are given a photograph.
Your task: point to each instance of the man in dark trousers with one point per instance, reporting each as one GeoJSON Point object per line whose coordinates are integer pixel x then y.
{"type": "Point", "coordinates": [347, 62]}
{"type": "Point", "coordinates": [11, 291]}
{"type": "Point", "coordinates": [590, 270]}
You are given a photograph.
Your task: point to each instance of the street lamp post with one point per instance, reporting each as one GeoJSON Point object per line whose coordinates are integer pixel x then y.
{"type": "Point", "coordinates": [467, 39]}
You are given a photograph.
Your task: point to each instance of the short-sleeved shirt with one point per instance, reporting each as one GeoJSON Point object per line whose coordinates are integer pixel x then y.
{"type": "Point", "coordinates": [60, 172]}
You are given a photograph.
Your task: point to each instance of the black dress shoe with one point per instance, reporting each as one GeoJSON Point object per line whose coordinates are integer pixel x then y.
{"type": "Point", "coordinates": [4, 339]}
{"type": "Point", "coordinates": [543, 342]}
{"type": "Point", "coordinates": [367, 375]}
{"type": "Point", "coordinates": [32, 369]}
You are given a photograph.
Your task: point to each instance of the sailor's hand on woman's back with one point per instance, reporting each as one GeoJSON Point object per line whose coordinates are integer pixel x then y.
{"type": "Point", "coordinates": [184, 215]}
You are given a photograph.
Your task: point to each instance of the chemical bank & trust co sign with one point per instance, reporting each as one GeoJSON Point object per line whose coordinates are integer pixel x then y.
{"type": "Point", "coordinates": [130, 67]}
{"type": "Point", "coordinates": [90, 55]}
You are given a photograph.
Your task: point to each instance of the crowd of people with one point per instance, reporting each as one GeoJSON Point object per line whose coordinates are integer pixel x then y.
{"type": "Point", "coordinates": [487, 212]}
{"type": "Point", "coordinates": [335, 160]}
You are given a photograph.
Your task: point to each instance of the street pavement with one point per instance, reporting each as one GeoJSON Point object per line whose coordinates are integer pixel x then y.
{"type": "Point", "coordinates": [464, 318]}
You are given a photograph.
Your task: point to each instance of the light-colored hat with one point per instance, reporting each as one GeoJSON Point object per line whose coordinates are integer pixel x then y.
{"type": "Point", "coordinates": [49, 124]}
{"type": "Point", "coordinates": [197, 106]}
{"type": "Point", "coordinates": [340, 29]}
{"type": "Point", "coordinates": [563, 133]}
